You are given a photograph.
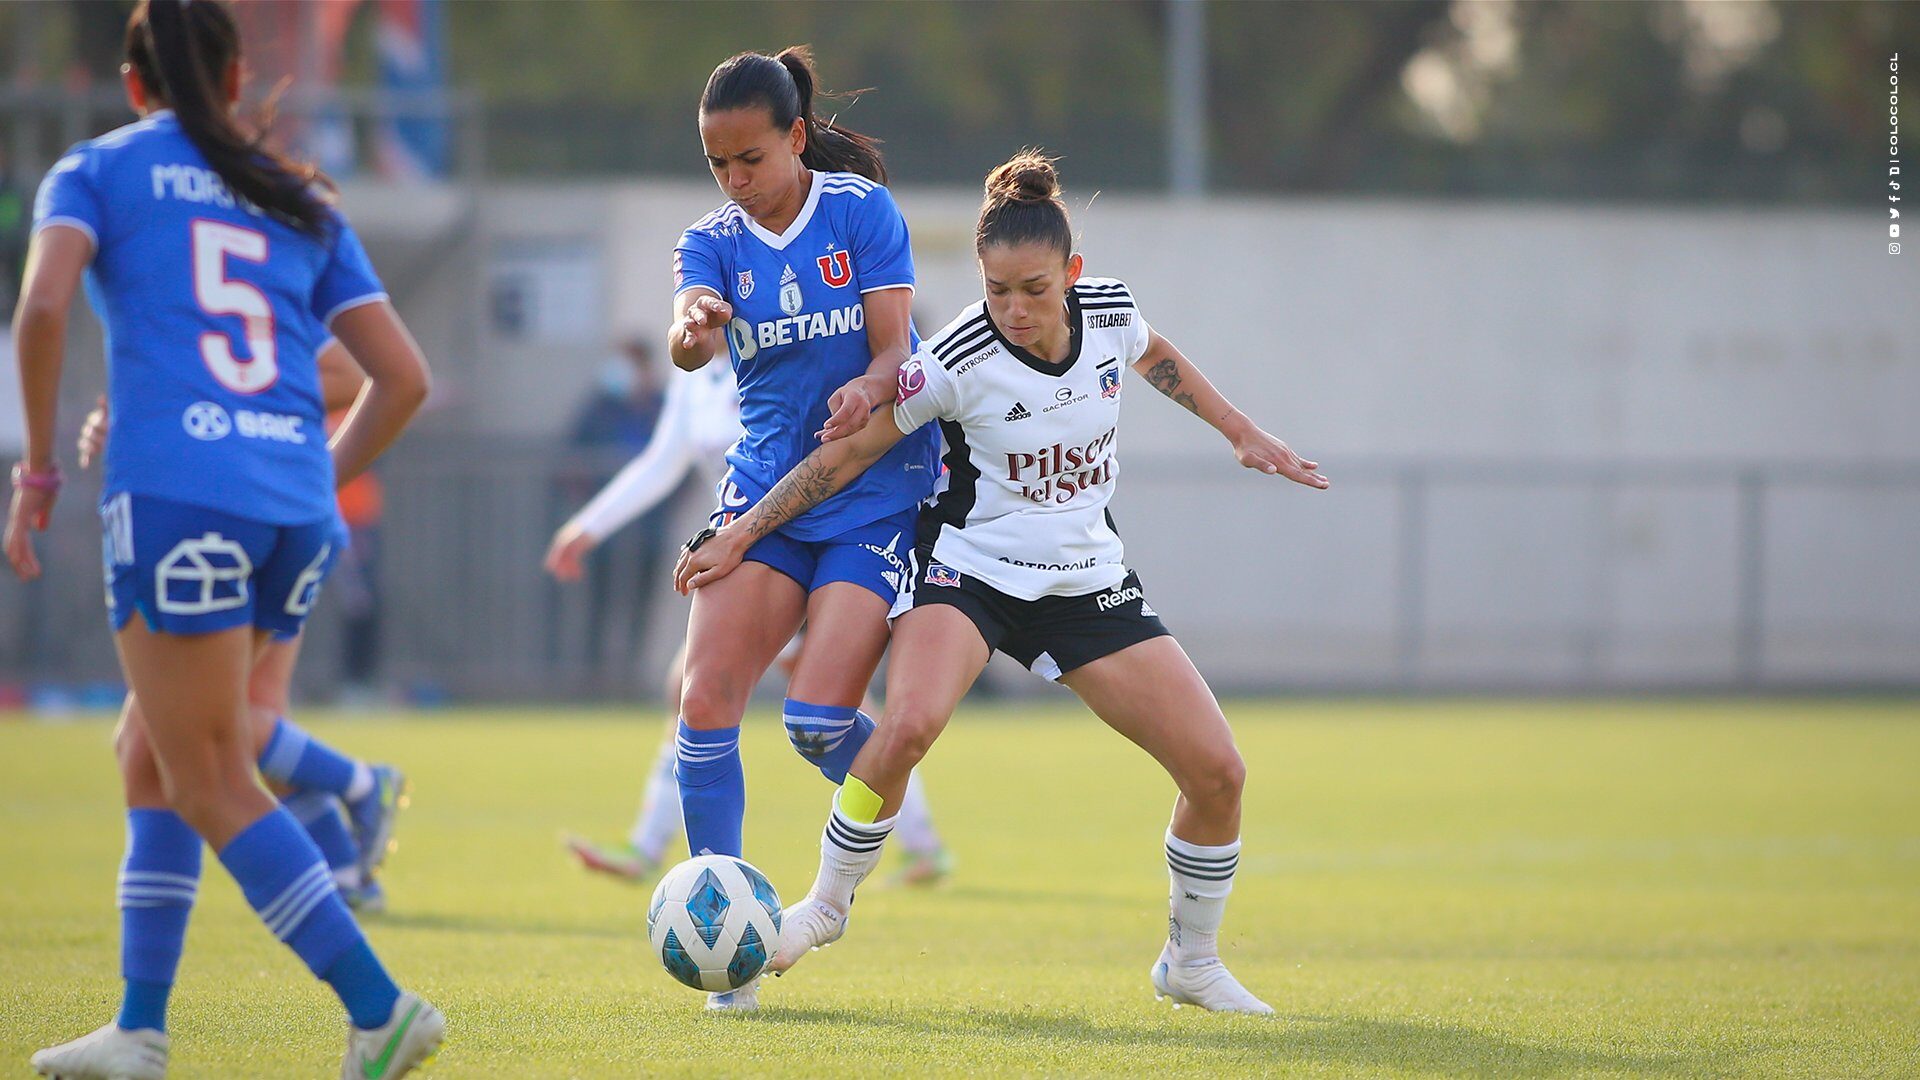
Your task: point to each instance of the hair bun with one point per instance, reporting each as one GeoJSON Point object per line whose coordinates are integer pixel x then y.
{"type": "Point", "coordinates": [1028, 176]}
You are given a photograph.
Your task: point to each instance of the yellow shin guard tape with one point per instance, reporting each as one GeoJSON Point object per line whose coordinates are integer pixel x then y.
{"type": "Point", "coordinates": [858, 803]}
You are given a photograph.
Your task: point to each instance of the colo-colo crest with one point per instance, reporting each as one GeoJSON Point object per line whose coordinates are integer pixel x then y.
{"type": "Point", "coordinates": [790, 292]}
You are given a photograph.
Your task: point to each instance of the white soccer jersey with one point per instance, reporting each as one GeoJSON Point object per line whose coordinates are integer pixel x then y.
{"type": "Point", "coordinates": [699, 420]}
{"type": "Point", "coordinates": [1031, 446]}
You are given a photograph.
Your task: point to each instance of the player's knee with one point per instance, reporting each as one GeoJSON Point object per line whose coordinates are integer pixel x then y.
{"type": "Point", "coordinates": [911, 728]}
{"type": "Point", "coordinates": [828, 736]}
{"type": "Point", "coordinates": [707, 702]}
{"type": "Point", "coordinates": [207, 804]}
{"type": "Point", "coordinates": [1217, 783]}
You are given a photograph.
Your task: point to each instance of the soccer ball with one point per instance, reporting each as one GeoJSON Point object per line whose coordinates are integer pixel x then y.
{"type": "Point", "coordinates": [714, 922]}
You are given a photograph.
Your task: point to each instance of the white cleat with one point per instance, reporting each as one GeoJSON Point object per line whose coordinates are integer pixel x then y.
{"type": "Point", "coordinates": [407, 1041]}
{"type": "Point", "coordinates": [108, 1053]}
{"type": "Point", "coordinates": [808, 925]}
{"type": "Point", "coordinates": [744, 1000]}
{"type": "Point", "coordinates": [1206, 983]}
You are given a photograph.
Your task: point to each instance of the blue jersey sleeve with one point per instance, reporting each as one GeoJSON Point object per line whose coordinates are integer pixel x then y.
{"type": "Point", "coordinates": [882, 255]}
{"type": "Point", "coordinates": [68, 197]}
{"type": "Point", "coordinates": [696, 264]}
{"type": "Point", "coordinates": [348, 279]}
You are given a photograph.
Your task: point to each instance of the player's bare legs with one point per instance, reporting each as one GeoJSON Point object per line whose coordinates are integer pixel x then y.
{"type": "Point", "coordinates": [1151, 693]}
{"type": "Point", "coordinates": [354, 835]}
{"type": "Point", "coordinates": [191, 692]}
{"type": "Point", "coordinates": [734, 631]}
{"type": "Point", "coordinates": [846, 633]}
{"type": "Point", "coordinates": [938, 653]}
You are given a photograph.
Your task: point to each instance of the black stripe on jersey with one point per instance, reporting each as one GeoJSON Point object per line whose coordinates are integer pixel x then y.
{"type": "Point", "coordinates": [945, 337]}
{"type": "Point", "coordinates": [954, 505]}
{"type": "Point", "coordinates": [1108, 362]}
{"type": "Point", "coordinates": [1106, 305]}
{"type": "Point", "coordinates": [979, 338]}
{"type": "Point", "coordinates": [1090, 287]}
{"type": "Point", "coordinates": [1093, 297]}
{"type": "Point", "coordinates": [940, 344]}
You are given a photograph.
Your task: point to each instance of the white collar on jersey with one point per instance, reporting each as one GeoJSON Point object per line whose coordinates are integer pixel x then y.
{"type": "Point", "coordinates": [779, 241]}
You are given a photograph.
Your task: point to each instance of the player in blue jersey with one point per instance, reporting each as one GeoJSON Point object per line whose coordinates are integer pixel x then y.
{"type": "Point", "coordinates": [347, 805]}
{"type": "Point", "coordinates": [217, 268]}
{"type": "Point", "coordinates": [804, 278]}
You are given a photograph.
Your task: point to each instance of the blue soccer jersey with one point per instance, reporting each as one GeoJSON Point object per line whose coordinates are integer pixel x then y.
{"type": "Point", "coordinates": [799, 333]}
{"type": "Point", "coordinates": [213, 313]}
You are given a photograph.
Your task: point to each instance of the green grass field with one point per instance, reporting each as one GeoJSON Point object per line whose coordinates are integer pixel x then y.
{"type": "Point", "coordinates": [1513, 888]}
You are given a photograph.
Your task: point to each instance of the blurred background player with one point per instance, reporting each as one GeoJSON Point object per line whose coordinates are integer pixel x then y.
{"type": "Point", "coordinates": [1019, 554]}
{"type": "Point", "coordinates": [347, 806]}
{"type": "Point", "coordinates": [618, 419]}
{"type": "Point", "coordinates": [698, 423]}
{"type": "Point", "coordinates": [804, 278]}
{"type": "Point", "coordinates": [217, 267]}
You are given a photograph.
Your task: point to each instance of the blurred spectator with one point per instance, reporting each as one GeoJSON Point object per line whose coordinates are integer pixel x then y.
{"type": "Point", "coordinates": [610, 428]}
{"type": "Point", "coordinates": [15, 206]}
{"type": "Point", "coordinates": [355, 585]}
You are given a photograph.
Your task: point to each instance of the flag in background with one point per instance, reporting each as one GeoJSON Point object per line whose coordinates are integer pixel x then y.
{"type": "Point", "coordinates": [411, 39]}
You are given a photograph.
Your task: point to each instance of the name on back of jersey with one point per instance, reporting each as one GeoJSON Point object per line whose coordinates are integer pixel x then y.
{"type": "Point", "coordinates": [190, 183]}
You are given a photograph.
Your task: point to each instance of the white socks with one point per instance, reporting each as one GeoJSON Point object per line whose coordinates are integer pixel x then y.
{"type": "Point", "coordinates": [659, 823]}
{"type": "Point", "coordinates": [361, 785]}
{"type": "Point", "coordinates": [1202, 877]}
{"type": "Point", "coordinates": [916, 820]}
{"type": "Point", "coordinates": [849, 851]}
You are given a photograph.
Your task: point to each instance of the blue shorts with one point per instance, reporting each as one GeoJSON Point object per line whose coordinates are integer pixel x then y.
{"type": "Point", "coordinates": [872, 556]}
{"type": "Point", "coordinates": [192, 570]}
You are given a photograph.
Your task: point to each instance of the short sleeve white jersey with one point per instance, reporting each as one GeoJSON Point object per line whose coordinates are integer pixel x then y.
{"type": "Point", "coordinates": [699, 420]}
{"type": "Point", "coordinates": [1031, 446]}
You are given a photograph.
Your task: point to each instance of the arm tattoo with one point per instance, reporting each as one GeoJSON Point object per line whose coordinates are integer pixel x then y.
{"type": "Point", "coordinates": [806, 487]}
{"type": "Point", "coordinates": [1165, 377]}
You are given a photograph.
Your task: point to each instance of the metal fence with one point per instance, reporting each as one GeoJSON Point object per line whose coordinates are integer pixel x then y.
{"type": "Point", "coordinates": [1409, 576]}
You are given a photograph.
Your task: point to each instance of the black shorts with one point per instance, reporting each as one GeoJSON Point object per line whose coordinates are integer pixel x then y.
{"type": "Point", "coordinates": [1051, 635]}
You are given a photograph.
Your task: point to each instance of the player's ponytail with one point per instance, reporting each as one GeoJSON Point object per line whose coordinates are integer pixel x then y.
{"type": "Point", "coordinates": [785, 85]}
{"type": "Point", "coordinates": [181, 48]}
{"type": "Point", "coordinates": [1023, 206]}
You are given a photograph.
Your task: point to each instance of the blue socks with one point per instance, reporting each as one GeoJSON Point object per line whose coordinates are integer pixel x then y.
{"type": "Point", "coordinates": [158, 882]}
{"type": "Point", "coordinates": [299, 760]}
{"type": "Point", "coordinates": [284, 878]}
{"type": "Point", "coordinates": [829, 736]}
{"type": "Point", "coordinates": [319, 814]}
{"type": "Point", "coordinates": [713, 789]}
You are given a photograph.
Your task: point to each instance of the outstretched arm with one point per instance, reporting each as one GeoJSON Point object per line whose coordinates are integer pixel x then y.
{"type": "Point", "coordinates": [1179, 378]}
{"type": "Point", "coordinates": [56, 259]}
{"type": "Point", "coordinates": [825, 471]}
{"type": "Point", "coordinates": [889, 315]}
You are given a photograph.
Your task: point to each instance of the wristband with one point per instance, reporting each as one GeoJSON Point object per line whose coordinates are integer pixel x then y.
{"type": "Point", "coordinates": [48, 480]}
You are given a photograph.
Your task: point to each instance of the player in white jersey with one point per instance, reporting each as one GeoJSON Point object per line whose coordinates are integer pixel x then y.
{"type": "Point", "coordinates": [699, 421]}
{"type": "Point", "coordinates": [1018, 553]}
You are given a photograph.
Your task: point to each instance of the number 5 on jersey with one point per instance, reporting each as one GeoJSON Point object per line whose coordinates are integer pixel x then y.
{"type": "Point", "coordinates": [218, 294]}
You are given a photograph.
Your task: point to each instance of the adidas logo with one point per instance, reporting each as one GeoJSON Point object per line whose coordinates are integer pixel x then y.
{"type": "Point", "coordinates": [1018, 412]}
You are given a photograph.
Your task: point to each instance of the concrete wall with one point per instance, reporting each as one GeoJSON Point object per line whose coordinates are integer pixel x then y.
{"type": "Point", "coordinates": [1639, 362]}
